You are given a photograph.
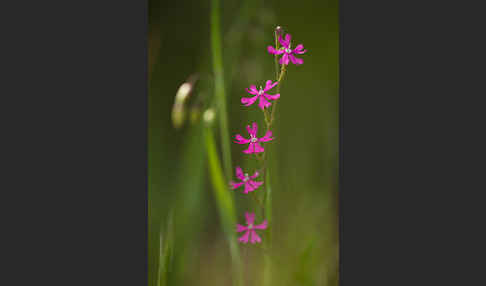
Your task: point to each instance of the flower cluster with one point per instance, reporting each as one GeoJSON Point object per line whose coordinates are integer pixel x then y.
{"type": "Point", "coordinates": [265, 100]}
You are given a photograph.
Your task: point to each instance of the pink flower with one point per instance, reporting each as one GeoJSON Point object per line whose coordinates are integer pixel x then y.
{"type": "Point", "coordinates": [246, 180]}
{"type": "Point", "coordinates": [287, 52]}
{"type": "Point", "coordinates": [255, 146]}
{"type": "Point", "coordinates": [261, 93]}
{"type": "Point", "coordinates": [250, 229]}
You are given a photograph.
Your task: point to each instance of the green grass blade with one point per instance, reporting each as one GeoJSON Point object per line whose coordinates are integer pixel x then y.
{"type": "Point", "coordinates": [267, 269]}
{"type": "Point", "coordinates": [224, 201]}
{"type": "Point", "coordinates": [219, 85]}
{"type": "Point", "coordinates": [268, 205]}
{"type": "Point", "coordinates": [166, 253]}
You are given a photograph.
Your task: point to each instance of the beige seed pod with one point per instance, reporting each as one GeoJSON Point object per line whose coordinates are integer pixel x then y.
{"type": "Point", "coordinates": [179, 109]}
{"type": "Point", "coordinates": [209, 116]}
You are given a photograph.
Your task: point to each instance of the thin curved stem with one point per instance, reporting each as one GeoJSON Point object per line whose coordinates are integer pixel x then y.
{"type": "Point", "coordinates": [219, 85]}
{"type": "Point", "coordinates": [225, 205]}
{"type": "Point", "coordinates": [279, 79]}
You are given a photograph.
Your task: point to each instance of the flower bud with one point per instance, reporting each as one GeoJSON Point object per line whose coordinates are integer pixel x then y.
{"type": "Point", "coordinates": [179, 108]}
{"type": "Point", "coordinates": [209, 116]}
{"type": "Point", "coordinates": [278, 31]}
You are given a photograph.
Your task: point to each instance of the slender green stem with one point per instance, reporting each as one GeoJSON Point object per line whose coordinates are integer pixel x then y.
{"type": "Point", "coordinates": [268, 203]}
{"type": "Point", "coordinates": [266, 116]}
{"type": "Point", "coordinates": [276, 56]}
{"type": "Point", "coordinates": [225, 204]}
{"type": "Point", "coordinates": [279, 79]}
{"type": "Point", "coordinates": [257, 200]}
{"type": "Point", "coordinates": [267, 210]}
{"type": "Point", "coordinates": [219, 85]}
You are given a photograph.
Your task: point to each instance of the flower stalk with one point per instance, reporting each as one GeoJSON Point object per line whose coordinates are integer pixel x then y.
{"type": "Point", "coordinates": [265, 102]}
{"type": "Point", "coordinates": [224, 200]}
{"type": "Point", "coordinates": [256, 146]}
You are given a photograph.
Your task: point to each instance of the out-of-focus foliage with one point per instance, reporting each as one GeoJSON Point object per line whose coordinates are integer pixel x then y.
{"type": "Point", "coordinates": [303, 156]}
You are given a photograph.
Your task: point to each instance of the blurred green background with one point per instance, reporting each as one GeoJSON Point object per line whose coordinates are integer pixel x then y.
{"type": "Point", "coordinates": [303, 157]}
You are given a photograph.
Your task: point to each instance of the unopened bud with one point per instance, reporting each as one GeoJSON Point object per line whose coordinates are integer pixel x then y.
{"type": "Point", "coordinates": [178, 109]}
{"type": "Point", "coordinates": [183, 92]}
{"type": "Point", "coordinates": [178, 115]}
{"type": "Point", "coordinates": [278, 31]}
{"type": "Point", "coordinates": [209, 116]}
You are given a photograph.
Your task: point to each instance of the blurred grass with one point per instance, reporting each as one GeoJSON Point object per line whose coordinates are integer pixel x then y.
{"type": "Point", "coordinates": [224, 201]}
{"type": "Point", "coordinates": [166, 252]}
{"type": "Point", "coordinates": [303, 157]}
{"type": "Point", "coordinates": [220, 94]}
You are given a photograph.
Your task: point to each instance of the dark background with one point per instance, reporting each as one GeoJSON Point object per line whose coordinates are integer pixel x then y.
{"type": "Point", "coordinates": [74, 185]}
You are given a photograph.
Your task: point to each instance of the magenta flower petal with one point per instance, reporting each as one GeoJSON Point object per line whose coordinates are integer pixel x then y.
{"type": "Point", "coordinates": [249, 100]}
{"type": "Point", "coordinates": [254, 92]}
{"type": "Point", "coordinates": [250, 185]}
{"type": "Point", "coordinates": [288, 53]}
{"type": "Point", "coordinates": [286, 42]}
{"type": "Point", "coordinates": [249, 129]}
{"type": "Point", "coordinates": [254, 146]}
{"type": "Point", "coordinates": [260, 94]}
{"type": "Point", "coordinates": [240, 228]}
{"type": "Point", "coordinates": [284, 60]}
{"type": "Point", "coordinates": [263, 103]}
{"type": "Point", "coordinates": [263, 225]}
{"type": "Point", "coordinates": [244, 238]}
{"type": "Point", "coordinates": [250, 218]}
{"type": "Point", "coordinates": [248, 188]}
{"type": "Point", "coordinates": [254, 237]}
{"type": "Point", "coordinates": [235, 185]}
{"type": "Point", "coordinates": [269, 85]}
{"type": "Point", "coordinates": [282, 41]}
{"type": "Point", "coordinates": [250, 149]}
{"type": "Point", "coordinates": [241, 140]}
{"type": "Point", "coordinates": [253, 89]}
{"type": "Point", "coordinates": [253, 129]}
{"type": "Point", "coordinates": [257, 148]}
{"type": "Point", "coordinates": [256, 174]}
{"type": "Point", "coordinates": [255, 184]}
{"type": "Point", "coordinates": [239, 173]}
{"type": "Point", "coordinates": [296, 61]}
{"type": "Point", "coordinates": [288, 37]}
{"type": "Point", "coordinates": [272, 97]}
{"type": "Point", "coordinates": [272, 50]}
{"type": "Point", "coordinates": [250, 229]}
{"type": "Point", "coordinates": [299, 49]}
{"type": "Point", "coordinates": [267, 137]}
